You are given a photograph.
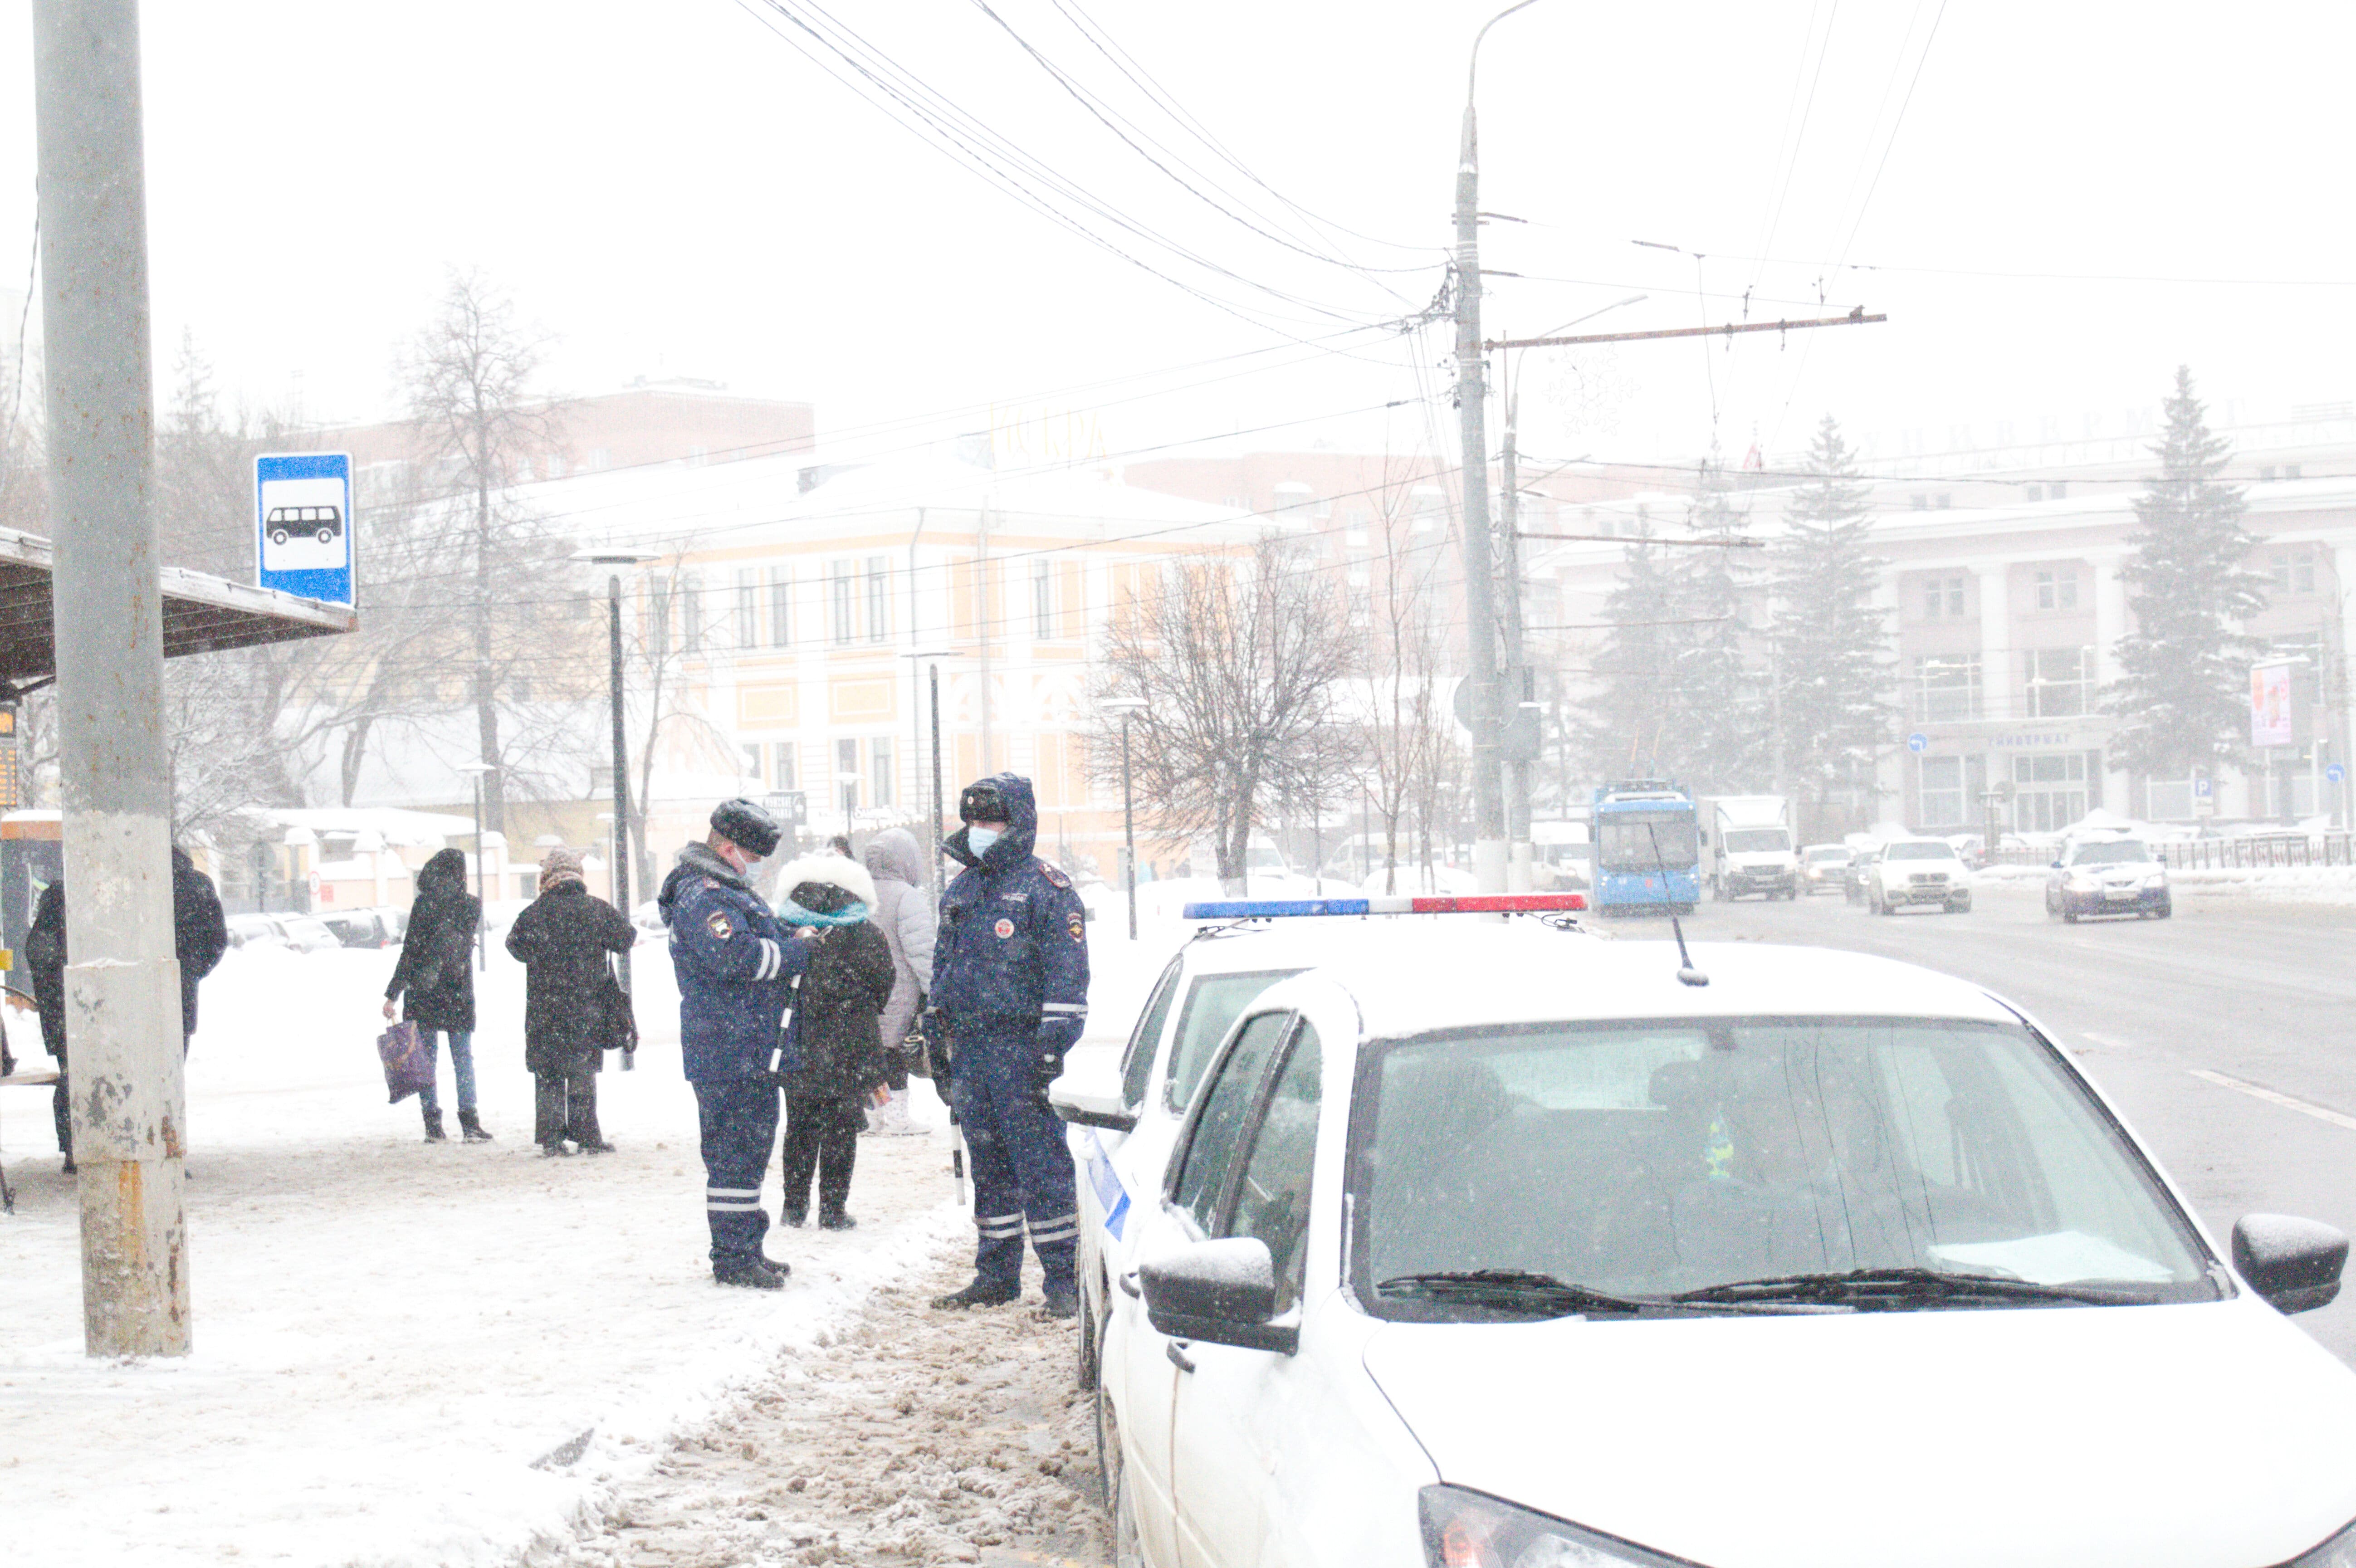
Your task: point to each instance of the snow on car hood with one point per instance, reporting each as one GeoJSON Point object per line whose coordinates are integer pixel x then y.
{"type": "Point", "coordinates": [2211, 1436]}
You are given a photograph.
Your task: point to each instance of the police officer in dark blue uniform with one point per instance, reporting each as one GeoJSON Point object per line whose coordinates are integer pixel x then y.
{"type": "Point", "coordinates": [1011, 992]}
{"type": "Point", "coordinates": [735, 961]}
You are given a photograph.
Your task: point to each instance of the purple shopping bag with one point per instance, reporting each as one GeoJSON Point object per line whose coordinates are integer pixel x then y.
{"type": "Point", "coordinates": [408, 1066]}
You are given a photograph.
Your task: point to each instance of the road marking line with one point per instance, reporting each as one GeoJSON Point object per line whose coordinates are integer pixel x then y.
{"type": "Point", "coordinates": [2276, 1097]}
{"type": "Point", "coordinates": [2111, 1040]}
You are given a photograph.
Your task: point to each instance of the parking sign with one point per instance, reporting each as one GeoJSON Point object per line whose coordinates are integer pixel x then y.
{"type": "Point", "coordinates": [303, 524]}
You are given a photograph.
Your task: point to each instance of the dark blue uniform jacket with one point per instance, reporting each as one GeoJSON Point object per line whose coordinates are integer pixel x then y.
{"type": "Point", "coordinates": [735, 963]}
{"type": "Point", "coordinates": [1012, 955]}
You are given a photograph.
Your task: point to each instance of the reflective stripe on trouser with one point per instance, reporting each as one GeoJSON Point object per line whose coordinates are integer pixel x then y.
{"type": "Point", "coordinates": [739, 1119]}
{"type": "Point", "coordinates": [1022, 1176]}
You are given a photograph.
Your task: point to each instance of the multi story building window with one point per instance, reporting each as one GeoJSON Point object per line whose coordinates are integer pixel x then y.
{"type": "Point", "coordinates": [846, 774]}
{"type": "Point", "coordinates": [752, 760]}
{"type": "Point", "coordinates": [2061, 683]}
{"type": "Point", "coordinates": [2049, 791]}
{"type": "Point", "coordinates": [1042, 600]}
{"type": "Point", "coordinates": [2293, 571]}
{"type": "Point", "coordinates": [879, 600]}
{"type": "Point", "coordinates": [880, 778]}
{"type": "Point", "coordinates": [2057, 590]}
{"type": "Point", "coordinates": [781, 611]}
{"type": "Point", "coordinates": [1943, 596]}
{"type": "Point", "coordinates": [781, 764]}
{"type": "Point", "coordinates": [748, 608]}
{"type": "Point", "coordinates": [691, 611]}
{"type": "Point", "coordinates": [1943, 804]}
{"type": "Point", "coordinates": [658, 619]}
{"type": "Point", "coordinates": [1946, 687]}
{"type": "Point", "coordinates": [840, 630]}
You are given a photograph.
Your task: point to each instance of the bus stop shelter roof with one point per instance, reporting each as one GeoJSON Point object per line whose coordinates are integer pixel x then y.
{"type": "Point", "coordinates": [202, 614]}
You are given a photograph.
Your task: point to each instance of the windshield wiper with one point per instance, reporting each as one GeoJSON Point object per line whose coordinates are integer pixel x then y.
{"type": "Point", "coordinates": [1867, 1289]}
{"type": "Point", "coordinates": [1519, 1290]}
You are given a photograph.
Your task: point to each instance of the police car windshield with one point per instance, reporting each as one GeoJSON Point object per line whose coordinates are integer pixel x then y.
{"type": "Point", "coordinates": [1213, 1004]}
{"type": "Point", "coordinates": [1646, 1159]}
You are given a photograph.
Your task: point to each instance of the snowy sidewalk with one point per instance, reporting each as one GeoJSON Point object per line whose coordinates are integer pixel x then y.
{"type": "Point", "coordinates": [388, 1333]}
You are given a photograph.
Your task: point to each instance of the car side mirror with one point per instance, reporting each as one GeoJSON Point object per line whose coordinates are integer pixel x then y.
{"type": "Point", "coordinates": [1091, 1105]}
{"type": "Point", "coordinates": [2057, 865]}
{"type": "Point", "coordinates": [1222, 1293]}
{"type": "Point", "coordinates": [2292, 1263]}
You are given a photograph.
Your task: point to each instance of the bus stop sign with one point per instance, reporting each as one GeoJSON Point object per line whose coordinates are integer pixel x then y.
{"type": "Point", "coordinates": [303, 524]}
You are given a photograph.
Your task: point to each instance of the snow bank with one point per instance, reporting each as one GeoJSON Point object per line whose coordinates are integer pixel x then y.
{"type": "Point", "coordinates": [2279, 884]}
{"type": "Point", "coordinates": [390, 1335]}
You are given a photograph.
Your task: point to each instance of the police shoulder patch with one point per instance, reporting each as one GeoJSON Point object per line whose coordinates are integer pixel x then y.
{"type": "Point", "coordinates": [1078, 932]}
{"type": "Point", "coordinates": [1056, 879]}
{"type": "Point", "coordinates": [718, 923]}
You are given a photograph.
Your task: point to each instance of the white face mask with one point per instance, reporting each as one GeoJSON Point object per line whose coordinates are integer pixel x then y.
{"type": "Point", "coordinates": [979, 839]}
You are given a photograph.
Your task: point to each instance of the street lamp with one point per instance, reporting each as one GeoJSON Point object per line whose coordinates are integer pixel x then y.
{"type": "Point", "coordinates": [482, 858]}
{"type": "Point", "coordinates": [932, 658]}
{"type": "Point", "coordinates": [1128, 708]}
{"type": "Point", "coordinates": [618, 558]}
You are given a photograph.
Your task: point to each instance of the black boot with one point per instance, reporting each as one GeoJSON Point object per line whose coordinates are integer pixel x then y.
{"type": "Point", "coordinates": [836, 1221]}
{"type": "Point", "coordinates": [981, 1292]}
{"type": "Point", "coordinates": [433, 1134]}
{"type": "Point", "coordinates": [471, 1124]}
{"type": "Point", "coordinates": [750, 1274]}
{"type": "Point", "coordinates": [1062, 1301]}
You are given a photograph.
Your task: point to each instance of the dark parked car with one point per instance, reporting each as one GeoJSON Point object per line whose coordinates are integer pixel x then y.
{"type": "Point", "coordinates": [1862, 863]}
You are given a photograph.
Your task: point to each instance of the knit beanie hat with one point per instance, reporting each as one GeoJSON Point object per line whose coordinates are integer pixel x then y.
{"type": "Point", "coordinates": [562, 866]}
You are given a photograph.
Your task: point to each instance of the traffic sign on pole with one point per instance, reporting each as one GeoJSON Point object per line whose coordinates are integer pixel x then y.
{"type": "Point", "coordinates": [1918, 743]}
{"type": "Point", "coordinates": [303, 524]}
{"type": "Point", "coordinates": [2335, 773]}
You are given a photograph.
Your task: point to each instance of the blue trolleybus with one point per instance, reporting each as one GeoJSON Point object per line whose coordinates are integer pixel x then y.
{"type": "Point", "coordinates": [1647, 848]}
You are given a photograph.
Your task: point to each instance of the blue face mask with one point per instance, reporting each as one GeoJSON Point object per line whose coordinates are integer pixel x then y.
{"type": "Point", "coordinates": [979, 837]}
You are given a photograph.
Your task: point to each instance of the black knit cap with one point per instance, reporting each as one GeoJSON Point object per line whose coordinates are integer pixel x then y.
{"type": "Point", "coordinates": [745, 824]}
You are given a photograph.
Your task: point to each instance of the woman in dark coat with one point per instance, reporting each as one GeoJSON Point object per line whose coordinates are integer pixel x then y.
{"type": "Point", "coordinates": [572, 1009]}
{"type": "Point", "coordinates": [834, 1050]}
{"type": "Point", "coordinates": [435, 982]}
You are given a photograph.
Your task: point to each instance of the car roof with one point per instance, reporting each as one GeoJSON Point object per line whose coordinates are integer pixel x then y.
{"type": "Point", "coordinates": [1314, 941]}
{"type": "Point", "coordinates": [1464, 985]}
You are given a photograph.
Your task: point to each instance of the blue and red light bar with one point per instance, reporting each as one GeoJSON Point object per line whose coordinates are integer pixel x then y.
{"type": "Point", "coordinates": [1470, 903]}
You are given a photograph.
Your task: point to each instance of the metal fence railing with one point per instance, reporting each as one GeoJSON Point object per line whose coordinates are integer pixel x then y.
{"type": "Point", "coordinates": [2243, 853]}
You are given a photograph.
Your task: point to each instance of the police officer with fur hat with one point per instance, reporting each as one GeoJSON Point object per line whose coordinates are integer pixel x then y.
{"type": "Point", "coordinates": [1010, 990]}
{"type": "Point", "coordinates": [735, 963]}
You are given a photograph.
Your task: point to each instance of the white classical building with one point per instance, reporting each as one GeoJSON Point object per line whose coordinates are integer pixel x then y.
{"type": "Point", "coordinates": [2004, 602]}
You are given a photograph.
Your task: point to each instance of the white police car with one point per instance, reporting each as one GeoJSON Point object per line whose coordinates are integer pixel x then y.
{"type": "Point", "coordinates": [1815, 1260]}
{"type": "Point", "coordinates": [1123, 1121]}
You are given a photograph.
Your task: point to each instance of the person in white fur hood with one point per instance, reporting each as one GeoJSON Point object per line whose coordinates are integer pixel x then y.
{"type": "Point", "coordinates": [834, 1050]}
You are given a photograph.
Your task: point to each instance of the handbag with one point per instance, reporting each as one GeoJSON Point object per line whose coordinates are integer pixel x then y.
{"type": "Point", "coordinates": [408, 1065]}
{"type": "Point", "coordinates": [621, 1019]}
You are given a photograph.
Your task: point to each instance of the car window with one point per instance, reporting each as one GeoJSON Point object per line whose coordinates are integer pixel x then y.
{"type": "Point", "coordinates": [2110, 852]}
{"type": "Point", "coordinates": [1750, 841]}
{"type": "Point", "coordinates": [1271, 1195]}
{"type": "Point", "coordinates": [1213, 1002]}
{"type": "Point", "coordinates": [1211, 1148]}
{"type": "Point", "coordinates": [1649, 1158]}
{"type": "Point", "coordinates": [1137, 1064]}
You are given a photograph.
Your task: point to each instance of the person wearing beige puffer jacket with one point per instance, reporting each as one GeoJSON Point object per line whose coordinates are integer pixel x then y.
{"type": "Point", "coordinates": [904, 909]}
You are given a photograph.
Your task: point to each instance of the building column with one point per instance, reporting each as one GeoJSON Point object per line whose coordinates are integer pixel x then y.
{"type": "Point", "coordinates": [2110, 625]}
{"type": "Point", "coordinates": [2343, 750]}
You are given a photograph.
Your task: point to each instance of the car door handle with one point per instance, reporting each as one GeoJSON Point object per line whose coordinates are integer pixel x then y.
{"type": "Point", "coordinates": [1128, 1283]}
{"type": "Point", "coordinates": [1176, 1351]}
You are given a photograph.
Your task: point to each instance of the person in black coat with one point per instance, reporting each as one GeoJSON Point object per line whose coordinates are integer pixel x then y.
{"type": "Point", "coordinates": [199, 937]}
{"type": "Point", "coordinates": [434, 980]}
{"type": "Point", "coordinates": [573, 1009]}
{"type": "Point", "coordinates": [834, 1048]}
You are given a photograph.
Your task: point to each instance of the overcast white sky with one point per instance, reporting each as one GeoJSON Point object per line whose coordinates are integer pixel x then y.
{"type": "Point", "coordinates": [674, 189]}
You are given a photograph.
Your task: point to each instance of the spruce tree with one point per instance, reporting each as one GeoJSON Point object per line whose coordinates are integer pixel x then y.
{"type": "Point", "coordinates": [1830, 642]}
{"type": "Point", "coordinates": [1721, 734]}
{"type": "Point", "coordinates": [1622, 725]}
{"type": "Point", "coordinates": [2182, 693]}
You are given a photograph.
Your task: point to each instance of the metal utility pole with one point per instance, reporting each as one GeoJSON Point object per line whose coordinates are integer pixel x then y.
{"type": "Point", "coordinates": [123, 986]}
{"type": "Point", "coordinates": [621, 784]}
{"type": "Point", "coordinates": [1480, 562]}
